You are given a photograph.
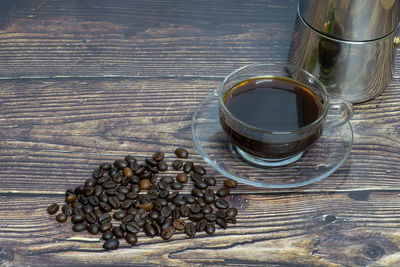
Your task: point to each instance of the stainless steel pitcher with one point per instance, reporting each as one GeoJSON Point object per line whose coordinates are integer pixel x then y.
{"type": "Point", "coordinates": [349, 45]}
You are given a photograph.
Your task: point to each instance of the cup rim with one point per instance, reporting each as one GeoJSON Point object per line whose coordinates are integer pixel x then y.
{"type": "Point", "coordinates": [320, 118]}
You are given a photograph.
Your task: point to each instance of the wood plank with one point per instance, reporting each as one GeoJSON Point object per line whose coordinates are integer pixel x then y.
{"type": "Point", "coordinates": [97, 38]}
{"type": "Point", "coordinates": [54, 132]}
{"type": "Point", "coordinates": [281, 229]}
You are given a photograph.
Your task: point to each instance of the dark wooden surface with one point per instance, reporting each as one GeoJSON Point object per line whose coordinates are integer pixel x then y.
{"type": "Point", "coordinates": [82, 82]}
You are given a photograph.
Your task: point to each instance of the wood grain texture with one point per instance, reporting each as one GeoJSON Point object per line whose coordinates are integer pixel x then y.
{"type": "Point", "coordinates": [299, 229]}
{"type": "Point", "coordinates": [141, 38]}
{"type": "Point", "coordinates": [60, 129]}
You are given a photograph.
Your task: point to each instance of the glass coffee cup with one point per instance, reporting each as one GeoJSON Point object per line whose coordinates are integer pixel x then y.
{"type": "Point", "coordinates": [273, 113]}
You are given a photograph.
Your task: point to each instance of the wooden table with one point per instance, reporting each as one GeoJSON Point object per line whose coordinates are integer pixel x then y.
{"type": "Point", "coordinates": [88, 81]}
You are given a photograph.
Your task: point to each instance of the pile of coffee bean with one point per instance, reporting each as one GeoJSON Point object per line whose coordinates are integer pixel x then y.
{"type": "Point", "coordinates": [124, 198]}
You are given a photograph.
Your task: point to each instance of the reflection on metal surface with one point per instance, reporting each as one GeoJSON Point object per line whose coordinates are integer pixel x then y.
{"type": "Point", "coordinates": [356, 70]}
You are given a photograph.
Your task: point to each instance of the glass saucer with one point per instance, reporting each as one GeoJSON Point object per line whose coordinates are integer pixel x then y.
{"type": "Point", "coordinates": [322, 159]}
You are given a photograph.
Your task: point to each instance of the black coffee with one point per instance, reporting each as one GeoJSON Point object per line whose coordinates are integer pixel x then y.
{"type": "Point", "coordinates": [273, 104]}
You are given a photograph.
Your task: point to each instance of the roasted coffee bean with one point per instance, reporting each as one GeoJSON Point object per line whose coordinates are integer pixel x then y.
{"type": "Point", "coordinates": [149, 230]}
{"type": "Point", "coordinates": [195, 177]}
{"type": "Point", "coordinates": [109, 184]}
{"type": "Point", "coordinates": [179, 224]}
{"type": "Point", "coordinates": [172, 195]}
{"type": "Point", "coordinates": [223, 192]}
{"type": "Point", "coordinates": [163, 202]}
{"type": "Point", "coordinates": [128, 218]}
{"type": "Point", "coordinates": [79, 227]}
{"type": "Point", "coordinates": [166, 211]}
{"type": "Point", "coordinates": [162, 166]}
{"type": "Point", "coordinates": [117, 178]}
{"type": "Point", "coordinates": [111, 244]}
{"type": "Point", "coordinates": [89, 191]}
{"type": "Point", "coordinates": [105, 207]}
{"type": "Point", "coordinates": [98, 213]}
{"type": "Point", "coordinates": [98, 190]}
{"type": "Point", "coordinates": [123, 226]}
{"type": "Point", "coordinates": [61, 217]}
{"type": "Point", "coordinates": [196, 216]}
{"type": "Point", "coordinates": [209, 196]}
{"type": "Point", "coordinates": [231, 212]}
{"type": "Point", "coordinates": [83, 199]}
{"type": "Point", "coordinates": [93, 200]}
{"type": "Point", "coordinates": [162, 185]}
{"type": "Point", "coordinates": [195, 208]}
{"type": "Point", "coordinates": [103, 198]}
{"type": "Point", "coordinates": [231, 220]}
{"type": "Point", "coordinates": [179, 200]}
{"type": "Point", "coordinates": [126, 204]}
{"type": "Point", "coordinates": [134, 179]}
{"type": "Point", "coordinates": [221, 222]}
{"type": "Point", "coordinates": [151, 162]}
{"type": "Point", "coordinates": [118, 233]}
{"type": "Point", "coordinates": [53, 208]}
{"type": "Point", "coordinates": [147, 206]}
{"type": "Point", "coordinates": [190, 199]}
{"type": "Point", "coordinates": [77, 218]}
{"type": "Point", "coordinates": [69, 192]}
{"type": "Point", "coordinates": [105, 166]}
{"type": "Point", "coordinates": [105, 227]}
{"type": "Point", "coordinates": [177, 164]}
{"type": "Point", "coordinates": [161, 220]}
{"type": "Point", "coordinates": [130, 158]}
{"type": "Point", "coordinates": [210, 217]}
{"type": "Point", "coordinates": [70, 198]}
{"type": "Point", "coordinates": [166, 223]}
{"type": "Point", "coordinates": [91, 182]}
{"type": "Point", "coordinates": [199, 170]}
{"type": "Point", "coordinates": [67, 210]}
{"type": "Point", "coordinates": [112, 171]}
{"type": "Point", "coordinates": [182, 177]}
{"type": "Point", "coordinates": [140, 171]}
{"type": "Point", "coordinates": [158, 156]}
{"type": "Point", "coordinates": [201, 225]}
{"type": "Point", "coordinates": [107, 235]}
{"type": "Point", "coordinates": [167, 233]}
{"type": "Point", "coordinates": [128, 172]}
{"type": "Point", "coordinates": [197, 192]}
{"type": "Point", "coordinates": [210, 228]}
{"type": "Point", "coordinates": [207, 209]}
{"type": "Point", "coordinates": [132, 211]}
{"type": "Point", "coordinates": [130, 238]}
{"type": "Point", "coordinates": [78, 211]}
{"type": "Point", "coordinates": [167, 179]}
{"type": "Point", "coordinates": [91, 217]}
{"type": "Point", "coordinates": [105, 218]}
{"type": "Point", "coordinates": [132, 195]}
{"type": "Point", "coordinates": [230, 183]}
{"type": "Point", "coordinates": [93, 229]}
{"type": "Point", "coordinates": [185, 210]}
{"type": "Point", "coordinates": [103, 179]}
{"type": "Point", "coordinates": [181, 153]}
{"type": "Point", "coordinates": [125, 181]}
{"type": "Point", "coordinates": [154, 215]}
{"type": "Point", "coordinates": [145, 184]}
{"type": "Point", "coordinates": [123, 189]}
{"type": "Point", "coordinates": [190, 229]}
{"type": "Point", "coordinates": [156, 227]}
{"type": "Point", "coordinates": [135, 188]}
{"type": "Point", "coordinates": [200, 184]}
{"type": "Point", "coordinates": [121, 197]}
{"type": "Point", "coordinates": [97, 173]}
{"type": "Point", "coordinates": [201, 202]}
{"type": "Point", "coordinates": [188, 166]}
{"type": "Point", "coordinates": [121, 164]}
{"type": "Point", "coordinates": [114, 202]}
{"type": "Point", "coordinates": [87, 208]}
{"type": "Point", "coordinates": [119, 215]}
{"type": "Point", "coordinates": [148, 174]}
{"type": "Point", "coordinates": [132, 227]}
{"type": "Point", "coordinates": [176, 186]}
{"type": "Point", "coordinates": [210, 181]}
{"type": "Point", "coordinates": [221, 204]}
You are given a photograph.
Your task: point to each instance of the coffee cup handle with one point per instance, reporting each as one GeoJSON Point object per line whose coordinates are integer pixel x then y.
{"type": "Point", "coordinates": [340, 112]}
